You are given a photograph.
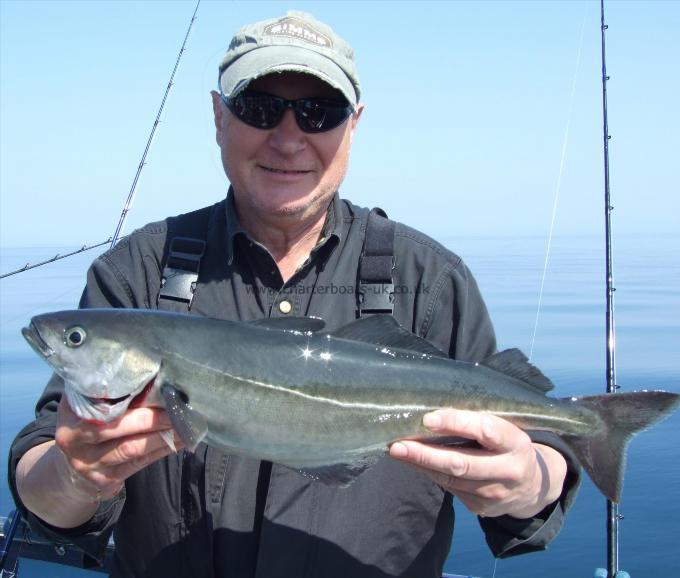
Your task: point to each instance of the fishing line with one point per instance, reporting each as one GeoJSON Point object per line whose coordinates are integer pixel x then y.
{"type": "Point", "coordinates": [559, 182]}
{"type": "Point", "coordinates": [495, 567]}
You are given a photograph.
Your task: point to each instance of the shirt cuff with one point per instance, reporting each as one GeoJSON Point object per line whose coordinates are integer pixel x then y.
{"type": "Point", "coordinates": [91, 538]}
{"type": "Point", "coordinates": [508, 536]}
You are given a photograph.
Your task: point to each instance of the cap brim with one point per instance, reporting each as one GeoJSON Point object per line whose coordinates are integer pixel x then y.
{"type": "Point", "coordinates": [268, 59]}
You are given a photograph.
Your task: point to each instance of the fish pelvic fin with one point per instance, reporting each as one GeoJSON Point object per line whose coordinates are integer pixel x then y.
{"type": "Point", "coordinates": [190, 426]}
{"type": "Point", "coordinates": [603, 456]}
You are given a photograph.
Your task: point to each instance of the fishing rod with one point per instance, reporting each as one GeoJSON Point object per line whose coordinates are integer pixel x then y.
{"type": "Point", "coordinates": [142, 162]}
{"type": "Point", "coordinates": [57, 257]}
{"type": "Point", "coordinates": [613, 515]}
{"type": "Point", "coordinates": [128, 203]}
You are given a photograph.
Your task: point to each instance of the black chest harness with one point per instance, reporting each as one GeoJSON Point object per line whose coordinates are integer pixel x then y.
{"type": "Point", "coordinates": [179, 280]}
{"type": "Point", "coordinates": [375, 285]}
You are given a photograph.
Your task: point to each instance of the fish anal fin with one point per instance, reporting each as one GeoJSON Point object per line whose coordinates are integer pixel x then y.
{"type": "Point", "coordinates": [339, 475]}
{"type": "Point", "coordinates": [190, 426]}
{"type": "Point", "coordinates": [513, 363]}
{"type": "Point", "coordinates": [385, 331]}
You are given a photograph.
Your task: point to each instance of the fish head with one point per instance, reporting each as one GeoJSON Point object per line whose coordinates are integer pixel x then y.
{"type": "Point", "coordinates": [104, 365]}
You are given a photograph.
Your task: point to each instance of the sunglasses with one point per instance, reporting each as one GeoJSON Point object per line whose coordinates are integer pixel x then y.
{"type": "Point", "coordinates": [265, 111]}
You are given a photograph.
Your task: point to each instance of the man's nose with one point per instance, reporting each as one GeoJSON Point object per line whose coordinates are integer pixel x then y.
{"type": "Point", "coordinates": [286, 137]}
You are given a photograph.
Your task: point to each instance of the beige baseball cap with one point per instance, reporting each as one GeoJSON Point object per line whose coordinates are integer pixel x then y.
{"type": "Point", "coordinates": [296, 42]}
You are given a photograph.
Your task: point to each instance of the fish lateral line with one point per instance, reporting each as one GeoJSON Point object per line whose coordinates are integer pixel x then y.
{"type": "Point", "coordinates": [323, 399]}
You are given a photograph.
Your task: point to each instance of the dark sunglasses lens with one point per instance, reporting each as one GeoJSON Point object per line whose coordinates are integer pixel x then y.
{"type": "Point", "coordinates": [312, 114]}
{"type": "Point", "coordinates": [321, 115]}
{"type": "Point", "coordinates": [260, 111]}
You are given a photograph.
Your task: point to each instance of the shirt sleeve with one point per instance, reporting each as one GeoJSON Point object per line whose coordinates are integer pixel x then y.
{"type": "Point", "coordinates": [457, 321]}
{"type": "Point", "coordinates": [106, 287]}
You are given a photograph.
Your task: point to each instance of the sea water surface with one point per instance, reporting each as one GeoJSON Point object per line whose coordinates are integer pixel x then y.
{"type": "Point", "coordinates": [569, 348]}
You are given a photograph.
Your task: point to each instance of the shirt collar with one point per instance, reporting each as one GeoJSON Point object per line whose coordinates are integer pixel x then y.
{"type": "Point", "coordinates": [332, 227]}
{"type": "Point", "coordinates": [234, 227]}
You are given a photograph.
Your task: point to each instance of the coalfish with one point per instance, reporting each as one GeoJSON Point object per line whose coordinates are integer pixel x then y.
{"type": "Point", "coordinates": [325, 404]}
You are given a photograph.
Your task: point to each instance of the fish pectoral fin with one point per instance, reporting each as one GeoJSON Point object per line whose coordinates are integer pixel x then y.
{"type": "Point", "coordinates": [190, 426]}
{"type": "Point", "coordinates": [385, 331]}
{"type": "Point", "coordinates": [513, 363]}
{"type": "Point", "coordinates": [302, 324]}
{"type": "Point", "coordinates": [339, 475]}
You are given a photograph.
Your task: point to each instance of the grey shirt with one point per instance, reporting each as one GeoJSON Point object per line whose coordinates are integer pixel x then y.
{"type": "Point", "coordinates": [212, 515]}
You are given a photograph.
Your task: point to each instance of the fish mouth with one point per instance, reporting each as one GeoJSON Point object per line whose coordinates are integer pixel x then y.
{"type": "Point", "coordinates": [106, 409]}
{"type": "Point", "coordinates": [36, 341]}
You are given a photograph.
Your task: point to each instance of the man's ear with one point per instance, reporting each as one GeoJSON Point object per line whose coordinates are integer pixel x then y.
{"type": "Point", "coordinates": [355, 119]}
{"type": "Point", "coordinates": [218, 111]}
{"type": "Point", "coordinates": [218, 108]}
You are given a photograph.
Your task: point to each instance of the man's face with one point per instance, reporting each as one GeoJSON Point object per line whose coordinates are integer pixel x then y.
{"type": "Point", "coordinates": [283, 172]}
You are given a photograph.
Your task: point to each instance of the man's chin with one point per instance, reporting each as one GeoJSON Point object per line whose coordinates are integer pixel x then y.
{"type": "Point", "coordinates": [291, 203]}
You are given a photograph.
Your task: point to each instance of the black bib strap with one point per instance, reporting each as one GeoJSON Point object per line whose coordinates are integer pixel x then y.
{"type": "Point", "coordinates": [376, 285]}
{"type": "Point", "coordinates": [187, 236]}
{"type": "Point", "coordinates": [180, 274]}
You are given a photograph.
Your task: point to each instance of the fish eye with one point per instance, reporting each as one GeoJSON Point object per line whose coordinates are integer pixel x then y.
{"type": "Point", "coordinates": [74, 336]}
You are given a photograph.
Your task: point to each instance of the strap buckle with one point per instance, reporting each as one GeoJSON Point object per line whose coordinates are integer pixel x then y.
{"type": "Point", "coordinates": [180, 275]}
{"type": "Point", "coordinates": [376, 298]}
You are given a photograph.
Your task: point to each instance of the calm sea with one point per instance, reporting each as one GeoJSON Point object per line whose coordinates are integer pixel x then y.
{"type": "Point", "coordinates": [569, 347]}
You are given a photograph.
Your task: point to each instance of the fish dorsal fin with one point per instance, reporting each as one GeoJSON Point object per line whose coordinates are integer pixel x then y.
{"type": "Point", "coordinates": [513, 363]}
{"type": "Point", "coordinates": [302, 324]}
{"type": "Point", "coordinates": [385, 331]}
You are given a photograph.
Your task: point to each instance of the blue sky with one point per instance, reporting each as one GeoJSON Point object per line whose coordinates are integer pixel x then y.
{"type": "Point", "coordinates": [467, 109]}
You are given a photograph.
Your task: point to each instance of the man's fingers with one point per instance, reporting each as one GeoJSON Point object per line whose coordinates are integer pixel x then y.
{"type": "Point", "coordinates": [104, 483]}
{"type": "Point", "coordinates": [133, 422]}
{"type": "Point", "coordinates": [128, 469]}
{"type": "Point", "coordinates": [470, 464]}
{"type": "Point", "coordinates": [108, 465]}
{"type": "Point", "coordinates": [490, 431]}
{"type": "Point", "coordinates": [132, 449]}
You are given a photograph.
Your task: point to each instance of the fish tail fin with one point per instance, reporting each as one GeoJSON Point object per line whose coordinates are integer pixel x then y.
{"type": "Point", "coordinates": [603, 456]}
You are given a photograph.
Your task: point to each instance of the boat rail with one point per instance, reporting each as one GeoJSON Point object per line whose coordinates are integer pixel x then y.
{"type": "Point", "coordinates": [18, 541]}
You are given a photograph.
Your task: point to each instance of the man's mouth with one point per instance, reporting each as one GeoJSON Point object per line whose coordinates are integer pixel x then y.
{"type": "Point", "coordinates": [284, 171]}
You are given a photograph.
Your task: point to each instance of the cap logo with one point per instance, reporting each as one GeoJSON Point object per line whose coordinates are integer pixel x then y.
{"type": "Point", "coordinates": [293, 28]}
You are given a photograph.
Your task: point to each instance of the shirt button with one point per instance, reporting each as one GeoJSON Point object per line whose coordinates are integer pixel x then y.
{"type": "Point", "coordinates": [285, 307]}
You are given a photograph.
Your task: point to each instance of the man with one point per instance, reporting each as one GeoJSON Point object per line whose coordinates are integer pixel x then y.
{"type": "Point", "coordinates": [285, 115]}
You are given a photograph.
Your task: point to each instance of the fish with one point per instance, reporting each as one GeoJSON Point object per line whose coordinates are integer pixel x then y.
{"type": "Point", "coordinates": [325, 403]}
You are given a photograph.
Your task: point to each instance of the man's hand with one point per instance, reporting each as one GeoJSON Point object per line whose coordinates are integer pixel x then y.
{"type": "Point", "coordinates": [101, 456]}
{"type": "Point", "coordinates": [62, 481]}
{"type": "Point", "coordinates": [508, 475]}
